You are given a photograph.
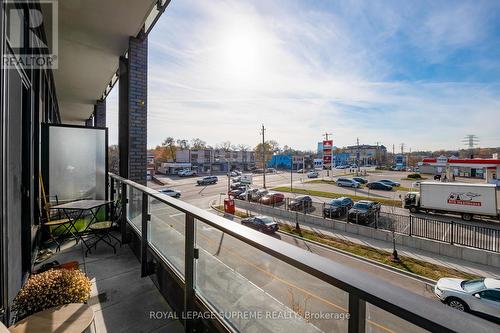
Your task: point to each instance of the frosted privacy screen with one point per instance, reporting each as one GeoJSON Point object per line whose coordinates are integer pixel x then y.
{"type": "Point", "coordinates": [75, 162]}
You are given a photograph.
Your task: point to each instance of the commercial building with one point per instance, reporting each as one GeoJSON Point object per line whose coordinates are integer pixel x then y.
{"type": "Point", "coordinates": [298, 162]}
{"type": "Point", "coordinates": [367, 154]}
{"type": "Point", "coordinates": [483, 168]}
{"type": "Point", "coordinates": [216, 160]}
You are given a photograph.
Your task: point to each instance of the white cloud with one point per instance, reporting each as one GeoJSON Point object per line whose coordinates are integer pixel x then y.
{"type": "Point", "coordinates": [220, 69]}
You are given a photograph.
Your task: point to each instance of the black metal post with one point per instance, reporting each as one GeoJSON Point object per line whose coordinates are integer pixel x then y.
{"type": "Point", "coordinates": [189, 257]}
{"type": "Point", "coordinates": [123, 222]}
{"type": "Point", "coordinates": [357, 314]}
{"type": "Point", "coordinates": [145, 267]}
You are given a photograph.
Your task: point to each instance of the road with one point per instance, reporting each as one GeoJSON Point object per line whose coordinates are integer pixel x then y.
{"type": "Point", "coordinates": [192, 192]}
{"type": "Point", "coordinates": [234, 276]}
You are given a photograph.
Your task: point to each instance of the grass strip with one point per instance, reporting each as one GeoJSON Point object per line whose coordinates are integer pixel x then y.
{"type": "Point", "coordinates": [412, 265]}
{"type": "Point", "coordinates": [387, 202]}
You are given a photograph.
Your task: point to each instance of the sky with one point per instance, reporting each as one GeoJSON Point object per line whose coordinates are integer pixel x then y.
{"type": "Point", "coordinates": [423, 73]}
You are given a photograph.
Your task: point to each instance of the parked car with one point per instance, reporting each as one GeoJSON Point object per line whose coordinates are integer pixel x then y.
{"type": "Point", "coordinates": [255, 196]}
{"type": "Point", "coordinates": [379, 186]}
{"type": "Point", "coordinates": [187, 173]}
{"type": "Point", "coordinates": [233, 174]}
{"type": "Point", "coordinates": [236, 179]}
{"type": "Point", "coordinates": [300, 171]}
{"type": "Point", "coordinates": [301, 203]}
{"type": "Point", "coordinates": [207, 180]}
{"type": "Point", "coordinates": [479, 295]}
{"type": "Point", "coordinates": [170, 192]}
{"type": "Point", "coordinates": [272, 198]}
{"type": "Point", "coordinates": [338, 207]}
{"type": "Point", "coordinates": [237, 191]}
{"type": "Point", "coordinates": [341, 167]}
{"type": "Point", "coordinates": [243, 196]}
{"type": "Point", "coordinates": [390, 182]}
{"type": "Point", "coordinates": [181, 172]}
{"type": "Point", "coordinates": [347, 182]}
{"type": "Point", "coordinates": [312, 174]}
{"type": "Point", "coordinates": [364, 211]}
{"type": "Point", "coordinates": [360, 180]}
{"type": "Point", "coordinates": [236, 185]}
{"type": "Point", "coordinates": [261, 223]}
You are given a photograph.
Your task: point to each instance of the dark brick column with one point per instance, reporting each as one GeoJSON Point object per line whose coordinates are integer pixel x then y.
{"type": "Point", "coordinates": [133, 110]}
{"type": "Point", "coordinates": [100, 113]}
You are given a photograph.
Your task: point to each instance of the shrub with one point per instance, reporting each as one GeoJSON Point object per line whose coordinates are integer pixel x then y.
{"type": "Point", "coordinates": [52, 288]}
{"type": "Point", "coordinates": [414, 176]}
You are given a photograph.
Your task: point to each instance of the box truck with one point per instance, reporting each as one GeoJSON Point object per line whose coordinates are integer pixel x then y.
{"type": "Point", "coordinates": [463, 199]}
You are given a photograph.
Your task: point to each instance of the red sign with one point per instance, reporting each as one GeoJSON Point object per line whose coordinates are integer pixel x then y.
{"type": "Point", "coordinates": [464, 202]}
{"type": "Point", "coordinates": [327, 152]}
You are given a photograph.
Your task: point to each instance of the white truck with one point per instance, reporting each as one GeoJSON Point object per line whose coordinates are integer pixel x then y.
{"type": "Point", "coordinates": [463, 199]}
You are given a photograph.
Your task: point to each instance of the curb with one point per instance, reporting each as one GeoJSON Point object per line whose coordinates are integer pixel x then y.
{"type": "Point", "coordinates": [425, 280]}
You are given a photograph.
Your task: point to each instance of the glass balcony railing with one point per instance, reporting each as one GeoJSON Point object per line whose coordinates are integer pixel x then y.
{"type": "Point", "coordinates": [251, 282]}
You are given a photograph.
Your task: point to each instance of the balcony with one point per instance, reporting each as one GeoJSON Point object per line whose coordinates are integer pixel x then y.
{"type": "Point", "coordinates": [221, 275]}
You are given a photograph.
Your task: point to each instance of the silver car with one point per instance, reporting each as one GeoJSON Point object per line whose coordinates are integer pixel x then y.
{"type": "Point", "coordinates": [479, 295]}
{"type": "Point", "coordinates": [347, 182]}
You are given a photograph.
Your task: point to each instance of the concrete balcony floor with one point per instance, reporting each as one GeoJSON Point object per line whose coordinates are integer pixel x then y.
{"type": "Point", "coordinates": [121, 299]}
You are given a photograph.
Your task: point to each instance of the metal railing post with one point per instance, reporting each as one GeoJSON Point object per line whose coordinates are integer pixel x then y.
{"type": "Point", "coordinates": [123, 223]}
{"type": "Point", "coordinates": [110, 214]}
{"type": "Point", "coordinates": [357, 314]}
{"type": "Point", "coordinates": [146, 217]}
{"type": "Point", "coordinates": [411, 225]}
{"type": "Point", "coordinates": [452, 232]}
{"type": "Point", "coordinates": [190, 254]}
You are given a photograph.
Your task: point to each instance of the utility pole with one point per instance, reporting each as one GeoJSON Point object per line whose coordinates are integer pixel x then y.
{"type": "Point", "coordinates": [393, 154]}
{"type": "Point", "coordinates": [357, 153]}
{"type": "Point", "coordinates": [326, 135]}
{"type": "Point", "coordinates": [263, 155]}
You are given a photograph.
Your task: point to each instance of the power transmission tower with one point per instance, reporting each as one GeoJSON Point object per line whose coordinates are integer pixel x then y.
{"type": "Point", "coordinates": [471, 141]}
{"type": "Point", "coordinates": [263, 130]}
{"type": "Point", "coordinates": [326, 135]}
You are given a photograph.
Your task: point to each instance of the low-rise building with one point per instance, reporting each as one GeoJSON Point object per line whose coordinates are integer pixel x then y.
{"type": "Point", "coordinates": [216, 160]}
{"type": "Point", "coordinates": [485, 168]}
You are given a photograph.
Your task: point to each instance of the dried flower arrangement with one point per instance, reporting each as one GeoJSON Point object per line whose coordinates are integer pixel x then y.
{"type": "Point", "coordinates": [52, 288]}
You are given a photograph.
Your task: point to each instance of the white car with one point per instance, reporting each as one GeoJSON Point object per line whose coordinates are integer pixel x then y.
{"type": "Point", "coordinates": [479, 295]}
{"type": "Point", "coordinates": [170, 192]}
{"type": "Point", "coordinates": [312, 174]}
{"type": "Point", "coordinates": [347, 182]}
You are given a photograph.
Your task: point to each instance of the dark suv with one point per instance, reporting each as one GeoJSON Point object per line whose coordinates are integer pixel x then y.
{"type": "Point", "coordinates": [207, 180]}
{"type": "Point", "coordinates": [364, 211]}
{"type": "Point", "coordinates": [301, 203]}
{"type": "Point", "coordinates": [338, 207]}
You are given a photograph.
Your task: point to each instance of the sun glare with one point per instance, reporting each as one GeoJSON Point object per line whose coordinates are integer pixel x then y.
{"type": "Point", "coordinates": [241, 52]}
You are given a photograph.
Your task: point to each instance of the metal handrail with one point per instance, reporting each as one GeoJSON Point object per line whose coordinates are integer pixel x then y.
{"type": "Point", "coordinates": [361, 288]}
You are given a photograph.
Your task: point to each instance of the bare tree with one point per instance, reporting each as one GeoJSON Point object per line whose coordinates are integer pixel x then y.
{"type": "Point", "coordinates": [183, 144]}
{"type": "Point", "coordinates": [242, 147]}
{"type": "Point", "coordinates": [224, 146]}
{"type": "Point", "coordinates": [198, 143]}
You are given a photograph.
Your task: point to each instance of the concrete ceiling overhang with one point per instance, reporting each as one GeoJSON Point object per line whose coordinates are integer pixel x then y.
{"type": "Point", "coordinates": [92, 35]}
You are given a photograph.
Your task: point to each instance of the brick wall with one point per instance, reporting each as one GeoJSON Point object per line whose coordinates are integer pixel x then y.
{"type": "Point", "coordinates": [100, 113]}
{"type": "Point", "coordinates": [137, 108]}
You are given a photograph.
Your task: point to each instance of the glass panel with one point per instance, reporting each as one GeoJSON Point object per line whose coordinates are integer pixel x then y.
{"type": "Point", "coordinates": [77, 176]}
{"type": "Point", "coordinates": [167, 232]}
{"type": "Point", "coordinates": [381, 321]}
{"type": "Point", "coordinates": [134, 207]}
{"type": "Point", "coordinates": [258, 293]}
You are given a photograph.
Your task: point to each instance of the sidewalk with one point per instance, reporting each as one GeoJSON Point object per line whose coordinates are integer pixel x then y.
{"type": "Point", "coordinates": [465, 266]}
